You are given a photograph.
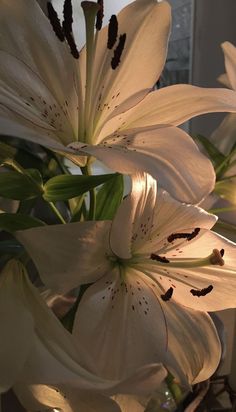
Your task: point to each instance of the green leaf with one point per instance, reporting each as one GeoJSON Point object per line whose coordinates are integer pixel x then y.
{"type": "Point", "coordinates": [10, 222]}
{"type": "Point", "coordinates": [215, 155]}
{"type": "Point", "coordinates": [109, 198]}
{"type": "Point", "coordinates": [18, 186]}
{"type": "Point", "coordinates": [6, 152]}
{"type": "Point", "coordinates": [66, 187]}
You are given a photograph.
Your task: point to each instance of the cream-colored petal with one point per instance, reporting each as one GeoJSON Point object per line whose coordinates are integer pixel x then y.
{"type": "Point", "coordinates": [117, 321]}
{"type": "Point", "coordinates": [17, 329]}
{"type": "Point", "coordinates": [205, 287]}
{"type": "Point", "coordinates": [223, 79]}
{"type": "Point", "coordinates": [230, 62]}
{"type": "Point", "coordinates": [132, 326]}
{"type": "Point", "coordinates": [224, 137]}
{"type": "Point", "coordinates": [50, 60]}
{"type": "Point", "coordinates": [194, 349]}
{"type": "Point", "coordinates": [165, 152]}
{"type": "Point", "coordinates": [68, 255]}
{"type": "Point", "coordinates": [129, 403]}
{"type": "Point", "coordinates": [133, 221]}
{"type": "Point", "coordinates": [146, 24]}
{"type": "Point", "coordinates": [39, 398]}
{"type": "Point", "coordinates": [171, 216]}
{"type": "Point", "coordinates": [173, 105]}
{"type": "Point", "coordinates": [24, 95]}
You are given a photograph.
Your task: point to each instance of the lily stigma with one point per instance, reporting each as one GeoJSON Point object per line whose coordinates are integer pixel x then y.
{"type": "Point", "coordinates": [99, 102]}
{"type": "Point", "coordinates": [154, 273]}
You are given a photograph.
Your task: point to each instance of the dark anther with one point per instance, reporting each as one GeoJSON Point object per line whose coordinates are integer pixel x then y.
{"type": "Point", "coordinates": [158, 258]}
{"type": "Point", "coordinates": [55, 22]}
{"type": "Point", "coordinates": [188, 236]}
{"type": "Point", "coordinates": [100, 15]}
{"type": "Point", "coordinates": [118, 52]}
{"type": "Point", "coordinates": [67, 27]}
{"type": "Point", "coordinates": [68, 19]}
{"type": "Point", "coordinates": [71, 42]}
{"type": "Point", "coordinates": [201, 292]}
{"type": "Point", "coordinates": [222, 252]}
{"type": "Point", "coordinates": [112, 32]}
{"type": "Point", "coordinates": [167, 296]}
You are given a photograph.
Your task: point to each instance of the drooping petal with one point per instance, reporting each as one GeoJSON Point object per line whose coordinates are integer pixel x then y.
{"type": "Point", "coordinates": [194, 348]}
{"type": "Point", "coordinates": [133, 326]}
{"type": "Point", "coordinates": [133, 220]}
{"type": "Point", "coordinates": [165, 152]}
{"type": "Point", "coordinates": [146, 25]}
{"type": "Point", "coordinates": [68, 255]}
{"type": "Point", "coordinates": [38, 397]}
{"type": "Point", "coordinates": [230, 62]}
{"type": "Point", "coordinates": [173, 105]}
{"type": "Point", "coordinates": [17, 329]}
{"type": "Point", "coordinates": [46, 352]}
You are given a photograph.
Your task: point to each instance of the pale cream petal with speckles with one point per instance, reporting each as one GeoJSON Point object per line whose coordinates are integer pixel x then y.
{"type": "Point", "coordinates": [165, 152]}
{"type": "Point", "coordinates": [173, 105]}
{"type": "Point", "coordinates": [134, 326]}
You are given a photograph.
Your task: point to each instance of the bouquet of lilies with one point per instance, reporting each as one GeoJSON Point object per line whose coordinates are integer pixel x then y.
{"type": "Point", "coordinates": [107, 279]}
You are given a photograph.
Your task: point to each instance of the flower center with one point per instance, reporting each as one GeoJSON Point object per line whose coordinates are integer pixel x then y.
{"type": "Point", "coordinates": [91, 101]}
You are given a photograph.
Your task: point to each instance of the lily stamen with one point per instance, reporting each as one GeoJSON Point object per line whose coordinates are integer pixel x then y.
{"type": "Point", "coordinates": [90, 10]}
{"type": "Point", "coordinates": [55, 22]}
{"type": "Point", "coordinates": [112, 32]}
{"type": "Point", "coordinates": [118, 51]}
{"type": "Point", "coordinates": [100, 15]}
{"type": "Point", "coordinates": [215, 258]}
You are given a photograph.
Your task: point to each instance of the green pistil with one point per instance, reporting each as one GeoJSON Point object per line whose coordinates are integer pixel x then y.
{"type": "Point", "coordinates": [215, 258]}
{"type": "Point", "coordinates": [90, 10]}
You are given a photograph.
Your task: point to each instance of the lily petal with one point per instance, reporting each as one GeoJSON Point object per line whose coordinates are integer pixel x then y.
{"type": "Point", "coordinates": [13, 352]}
{"type": "Point", "coordinates": [230, 62]}
{"type": "Point", "coordinates": [129, 306]}
{"type": "Point", "coordinates": [50, 60]}
{"type": "Point", "coordinates": [26, 96]}
{"type": "Point", "coordinates": [136, 215]}
{"type": "Point", "coordinates": [38, 398]}
{"type": "Point", "coordinates": [173, 105]}
{"type": "Point", "coordinates": [165, 152]}
{"type": "Point", "coordinates": [67, 256]}
{"type": "Point", "coordinates": [222, 279]}
{"type": "Point", "coordinates": [129, 403]}
{"type": "Point", "coordinates": [171, 216]}
{"type": "Point", "coordinates": [147, 25]}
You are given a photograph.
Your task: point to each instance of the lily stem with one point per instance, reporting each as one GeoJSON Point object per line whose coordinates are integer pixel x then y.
{"type": "Point", "coordinates": [86, 170]}
{"type": "Point", "coordinates": [57, 213]}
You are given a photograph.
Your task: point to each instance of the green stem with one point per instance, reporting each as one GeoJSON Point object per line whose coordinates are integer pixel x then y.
{"type": "Point", "coordinates": [57, 213]}
{"type": "Point", "coordinates": [86, 170]}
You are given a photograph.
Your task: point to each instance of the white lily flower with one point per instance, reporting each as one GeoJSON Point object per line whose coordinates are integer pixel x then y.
{"type": "Point", "coordinates": [155, 270]}
{"type": "Point", "coordinates": [37, 351]}
{"type": "Point", "coordinates": [99, 105]}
